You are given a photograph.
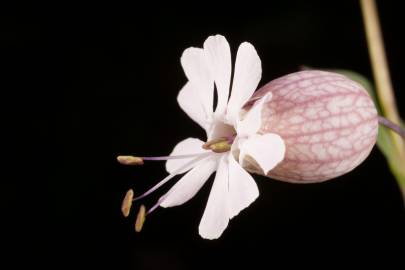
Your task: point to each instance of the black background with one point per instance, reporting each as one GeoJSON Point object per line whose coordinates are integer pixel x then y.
{"type": "Point", "coordinates": [82, 85]}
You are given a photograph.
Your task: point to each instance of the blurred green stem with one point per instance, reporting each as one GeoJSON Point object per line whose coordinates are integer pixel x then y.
{"type": "Point", "coordinates": [383, 83]}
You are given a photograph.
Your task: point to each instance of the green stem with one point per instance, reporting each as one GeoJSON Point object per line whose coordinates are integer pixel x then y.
{"type": "Point", "coordinates": [382, 79]}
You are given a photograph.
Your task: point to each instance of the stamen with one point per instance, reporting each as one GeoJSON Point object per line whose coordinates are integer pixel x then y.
{"type": "Point", "coordinates": [154, 207]}
{"type": "Point", "coordinates": [133, 160]}
{"type": "Point", "coordinates": [161, 199]}
{"type": "Point", "coordinates": [127, 203]}
{"type": "Point", "coordinates": [172, 157]}
{"type": "Point", "coordinates": [173, 174]}
{"type": "Point", "coordinates": [208, 144]}
{"type": "Point", "coordinates": [220, 145]}
{"type": "Point", "coordinates": [140, 218]}
{"type": "Point", "coordinates": [130, 160]}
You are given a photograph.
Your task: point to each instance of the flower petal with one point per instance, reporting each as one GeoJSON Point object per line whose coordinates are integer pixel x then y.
{"type": "Point", "coordinates": [216, 216]}
{"type": "Point", "coordinates": [248, 71]}
{"type": "Point", "coordinates": [218, 54]}
{"type": "Point", "coordinates": [199, 75]}
{"type": "Point", "coordinates": [267, 150]}
{"type": "Point", "coordinates": [252, 120]}
{"type": "Point", "coordinates": [242, 188]}
{"type": "Point", "coordinates": [185, 147]}
{"type": "Point", "coordinates": [190, 183]}
{"type": "Point", "coordinates": [192, 106]}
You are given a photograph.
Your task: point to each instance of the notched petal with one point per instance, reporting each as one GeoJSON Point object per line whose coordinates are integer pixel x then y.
{"type": "Point", "coordinates": [242, 188]}
{"type": "Point", "coordinates": [267, 150]}
{"type": "Point", "coordinates": [218, 54]}
{"type": "Point", "coordinates": [200, 78]}
{"type": "Point", "coordinates": [216, 214]}
{"type": "Point", "coordinates": [248, 72]}
{"type": "Point", "coordinates": [190, 103]}
{"type": "Point", "coordinates": [252, 120]}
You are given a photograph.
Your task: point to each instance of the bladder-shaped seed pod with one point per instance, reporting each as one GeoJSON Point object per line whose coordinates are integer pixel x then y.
{"type": "Point", "coordinates": [328, 122]}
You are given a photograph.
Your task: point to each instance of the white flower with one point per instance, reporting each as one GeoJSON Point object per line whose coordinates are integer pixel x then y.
{"type": "Point", "coordinates": [233, 138]}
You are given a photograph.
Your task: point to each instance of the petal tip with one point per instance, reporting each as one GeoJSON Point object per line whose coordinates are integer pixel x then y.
{"type": "Point", "coordinates": [208, 236]}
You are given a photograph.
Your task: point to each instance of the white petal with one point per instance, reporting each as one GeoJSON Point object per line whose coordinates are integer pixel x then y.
{"type": "Point", "coordinates": [216, 216]}
{"type": "Point", "coordinates": [242, 188]}
{"type": "Point", "coordinates": [190, 183]}
{"type": "Point", "coordinates": [248, 71]}
{"type": "Point", "coordinates": [219, 61]}
{"type": "Point", "coordinates": [185, 147]}
{"type": "Point", "coordinates": [192, 106]}
{"type": "Point", "coordinates": [199, 75]}
{"type": "Point", "coordinates": [252, 121]}
{"type": "Point", "coordinates": [267, 150]}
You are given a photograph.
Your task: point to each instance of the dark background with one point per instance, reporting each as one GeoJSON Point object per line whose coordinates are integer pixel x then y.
{"type": "Point", "coordinates": [82, 85]}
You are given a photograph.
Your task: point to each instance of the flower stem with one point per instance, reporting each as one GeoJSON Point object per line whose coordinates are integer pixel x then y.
{"type": "Point", "coordinates": [379, 59]}
{"type": "Point", "coordinates": [382, 79]}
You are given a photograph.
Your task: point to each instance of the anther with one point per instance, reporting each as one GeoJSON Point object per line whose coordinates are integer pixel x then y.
{"type": "Point", "coordinates": [127, 203]}
{"type": "Point", "coordinates": [130, 160]}
{"type": "Point", "coordinates": [208, 144]}
{"type": "Point", "coordinates": [220, 145]}
{"type": "Point", "coordinates": [140, 219]}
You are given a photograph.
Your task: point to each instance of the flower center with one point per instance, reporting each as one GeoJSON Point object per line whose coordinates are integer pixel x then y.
{"type": "Point", "coordinates": [220, 129]}
{"type": "Point", "coordinates": [220, 145]}
{"type": "Point", "coordinates": [220, 137]}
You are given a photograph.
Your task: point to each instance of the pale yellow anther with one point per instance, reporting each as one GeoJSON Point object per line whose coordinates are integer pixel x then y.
{"type": "Point", "coordinates": [130, 160]}
{"type": "Point", "coordinates": [140, 219]}
{"type": "Point", "coordinates": [127, 203]}
{"type": "Point", "coordinates": [208, 144]}
{"type": "Point", "coordinates": [220, 145]}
